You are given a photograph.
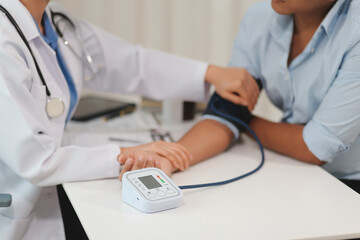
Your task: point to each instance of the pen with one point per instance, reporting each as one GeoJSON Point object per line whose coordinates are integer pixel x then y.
{"type": "Point", "coordinates": [157, 137]}
{"type": "Point", "coordinates": [157, 134]}
{"type": "Point", "coordinates": [169, 136]}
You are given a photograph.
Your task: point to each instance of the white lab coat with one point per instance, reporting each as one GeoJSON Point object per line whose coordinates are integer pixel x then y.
{"type": "Point", "coordinates": [31, 158]}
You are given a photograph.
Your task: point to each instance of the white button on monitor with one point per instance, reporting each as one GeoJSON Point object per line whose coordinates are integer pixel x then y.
{"type": "Point", "coordinates": [170, 191]}
{"type": "Point", "coordinates": [151, 195]}
{"type": "Point", "coordinates": [161, 193]}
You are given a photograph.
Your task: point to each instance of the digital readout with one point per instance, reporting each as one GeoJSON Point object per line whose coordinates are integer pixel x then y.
{"type": "Point", "coordinates": [150, 182]}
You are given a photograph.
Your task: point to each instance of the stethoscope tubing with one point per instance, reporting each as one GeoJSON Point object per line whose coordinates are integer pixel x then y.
{"type": "Point", "coordinates": [213, 107]}
{"type": "Point", "coordinates": [88, 61]}
{"type": "Point", "coordinates": [22, 36]}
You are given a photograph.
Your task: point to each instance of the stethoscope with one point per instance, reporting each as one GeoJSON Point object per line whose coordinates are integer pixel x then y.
{"type": "Point", "coordinates": [55, 107]}
{"type": "Point", "coordinates": [88, 60]}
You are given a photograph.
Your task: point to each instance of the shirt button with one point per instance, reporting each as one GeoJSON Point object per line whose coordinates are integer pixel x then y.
{"type": "Point", "coordinates": [312, 50]}
{"type": "Point", "coordinates": [341, 148]}
{"type": "Point", "coordinates": [287, 77]}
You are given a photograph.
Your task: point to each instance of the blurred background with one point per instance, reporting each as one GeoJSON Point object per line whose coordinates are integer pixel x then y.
{"type": "Point", "coordinates": [199, 29]}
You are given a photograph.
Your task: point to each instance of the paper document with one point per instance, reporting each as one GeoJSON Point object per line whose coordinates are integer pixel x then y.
{"type": "Point", "coordinates": [100, 138]}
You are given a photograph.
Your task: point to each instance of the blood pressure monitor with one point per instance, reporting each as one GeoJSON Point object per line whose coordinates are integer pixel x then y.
{"type": "Point", "coordinates": [150, 190]}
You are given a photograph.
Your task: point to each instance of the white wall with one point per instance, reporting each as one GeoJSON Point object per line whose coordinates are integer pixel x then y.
{"type": "Point", "coordinates": [200, 29]}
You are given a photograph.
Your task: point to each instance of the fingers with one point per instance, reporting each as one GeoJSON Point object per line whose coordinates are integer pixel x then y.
{"type": "Point", "coordinates": [172, 150]}
{"type": "Point", "coordinates": [122, 158]}
{"type": "Point", "coordinates": [175, 157]}
{"type": "Point", "coordinates": [139, 163]}
{"type": "Point", "coordinates": [247, 96]}
{"type": "Point", "coordinates": [249, 92]}
{"type": "Point", "coordinates": [253, 90]}
{"type": "Point", "coordinates": [144, 159]}
{"type": "Point", "coordinates": [230, 96]}
{"type": "Point", "coordinates": [175, 153]}
{"type": "Point", "coordinates": [178, 151]}
{"type": "Point", "coordinates": [186, 156]}
{"type": "Point", "coordinates": [168, 153]}
{"type": "Point", "coordinates": [157, 164]}
{"type": "Point", "coordinates": [149, 163]}
{"type": "Point", "coordinates": [127, 167]}
{"type": "Point", "coordinates": [239, 87]}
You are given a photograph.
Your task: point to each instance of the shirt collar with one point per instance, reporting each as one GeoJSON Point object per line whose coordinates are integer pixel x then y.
{"type": "Point", "coordinates": [50, 36]}
{"type": "Point", "coordinates": [282, 28]}
{"type": "Point", "coordinates": [328, 23]}
{"type": "Point", "coordinates": [283, 23]}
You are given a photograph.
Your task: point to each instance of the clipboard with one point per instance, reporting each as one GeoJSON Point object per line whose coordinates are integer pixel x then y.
{"type": "Point", "coordinates": [94, 107]}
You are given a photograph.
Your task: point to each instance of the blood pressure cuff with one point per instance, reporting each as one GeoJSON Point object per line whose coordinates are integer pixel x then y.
{"type": "Point", "coordinates": [236, 111]}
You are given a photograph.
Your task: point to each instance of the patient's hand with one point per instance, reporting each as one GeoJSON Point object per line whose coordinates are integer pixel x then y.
{"type": "Point", "coordinates": [138, 159]}
{"type": "Point", "coordinates": [234, 84]}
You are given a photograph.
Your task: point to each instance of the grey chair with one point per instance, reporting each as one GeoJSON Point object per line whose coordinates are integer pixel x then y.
{"type": "Point", "coordinates": [5, 200]}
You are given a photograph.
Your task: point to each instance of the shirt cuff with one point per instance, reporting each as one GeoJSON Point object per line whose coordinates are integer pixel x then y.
{"type": "Point", "coordinates": [225, 122]}
{"type": "Point", "coordinates": [321, 142]}
{"type": "Point", "coordinates": [203, 67]}
{"type": "Point", "coordinates": [111, 156]}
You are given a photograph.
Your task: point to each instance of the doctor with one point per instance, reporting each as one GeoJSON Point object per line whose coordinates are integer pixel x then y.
{"type": "Point", "coordinates": [46, 57]}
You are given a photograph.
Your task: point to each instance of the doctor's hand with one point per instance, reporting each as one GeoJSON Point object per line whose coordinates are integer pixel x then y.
{"type": "Point", "coordinates": [234, 84]}
{"type": "Point", "coordinates": [138, 159]}
{"type": "Point", "coordinates": [178, 155]}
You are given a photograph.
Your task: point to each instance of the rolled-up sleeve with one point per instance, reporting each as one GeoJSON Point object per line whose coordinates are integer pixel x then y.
{"type": "Point", "coordinates": [324, 144]}
{"type": "Point", "coordinates": [225, 122]}
{"type": "Point", "coordinates": [336, 123]}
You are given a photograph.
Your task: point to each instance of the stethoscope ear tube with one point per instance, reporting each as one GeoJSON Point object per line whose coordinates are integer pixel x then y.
{"type": "Point", "coordinates": [53, 15]}
{"type": "Point", "coordinates": [88, 60]}
{"type": "Point", "coordinates": [14, 23]}
{"type": "Point", "coordinates": [55, 107]}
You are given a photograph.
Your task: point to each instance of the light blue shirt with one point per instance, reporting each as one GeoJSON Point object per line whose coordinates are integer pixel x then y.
{"type": "Point", "coordinates": [320, 88]}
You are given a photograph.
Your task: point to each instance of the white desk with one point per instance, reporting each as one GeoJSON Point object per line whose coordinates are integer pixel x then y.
{"type": "Point", "coordinates": [286, 199]}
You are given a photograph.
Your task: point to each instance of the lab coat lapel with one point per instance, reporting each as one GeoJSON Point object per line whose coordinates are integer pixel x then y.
{"type": "Point", "coordinates": [22, 17]}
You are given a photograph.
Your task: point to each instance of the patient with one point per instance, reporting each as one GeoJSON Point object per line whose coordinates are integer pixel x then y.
{"type": "Point", "coordinates": [307, 56]}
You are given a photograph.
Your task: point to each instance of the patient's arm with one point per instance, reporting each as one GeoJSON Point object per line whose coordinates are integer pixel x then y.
{"type": "Point", "coordinates": [206, 139]}
{"type": "Point", "coordinates": [284, 138]}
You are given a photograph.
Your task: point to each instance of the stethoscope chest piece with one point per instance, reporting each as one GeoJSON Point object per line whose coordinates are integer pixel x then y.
{"type": "Point", "coordinates": [55, 107]}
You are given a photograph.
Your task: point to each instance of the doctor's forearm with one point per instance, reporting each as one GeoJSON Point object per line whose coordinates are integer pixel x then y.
{"type": "Point", "coordinates": [206, 139]}
{"type": "Point", "coordinates": [284, 138]}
